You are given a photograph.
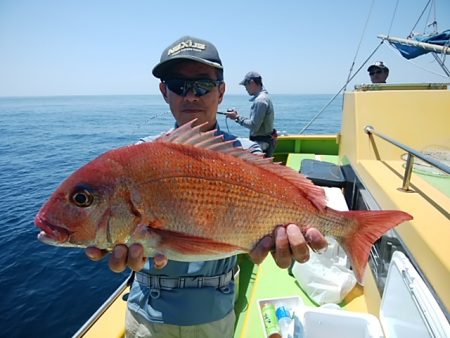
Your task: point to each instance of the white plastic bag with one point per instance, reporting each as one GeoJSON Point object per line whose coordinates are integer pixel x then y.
{"type": "Point", "coordinates": [325, 278]}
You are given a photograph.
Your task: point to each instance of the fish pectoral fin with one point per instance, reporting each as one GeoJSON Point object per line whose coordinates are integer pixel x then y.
{"type": "Point", "coordinates": [188, 244]}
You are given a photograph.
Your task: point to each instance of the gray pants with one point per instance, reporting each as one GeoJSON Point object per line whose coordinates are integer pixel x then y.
{"type": "Point", "coordinates": [138, 328]}
{"type": "Point", "coordinates": [267, 147]}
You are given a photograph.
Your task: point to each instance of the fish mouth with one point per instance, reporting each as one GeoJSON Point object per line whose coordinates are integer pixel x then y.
{"type": "Point", "coordinates": [51, 233]}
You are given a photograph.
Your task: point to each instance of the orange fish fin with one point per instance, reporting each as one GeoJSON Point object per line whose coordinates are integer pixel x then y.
{"type": "Point", "coordinates": [187, 244]}
{"type": "Point", "coordinates": [186, 134]}
{"type": "Point", "coordinates": [370, 226]}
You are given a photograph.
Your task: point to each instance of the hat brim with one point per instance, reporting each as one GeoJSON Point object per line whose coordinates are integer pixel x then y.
{"type": "Point", "coordinates": [161, 68]}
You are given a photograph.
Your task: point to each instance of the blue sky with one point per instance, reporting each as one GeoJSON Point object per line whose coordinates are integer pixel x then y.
{"type": "Point", "coordinates": [91, 47]}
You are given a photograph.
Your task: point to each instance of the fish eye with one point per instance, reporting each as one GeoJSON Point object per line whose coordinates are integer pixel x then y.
{"type": "Point", "coordinates": [82, 198]}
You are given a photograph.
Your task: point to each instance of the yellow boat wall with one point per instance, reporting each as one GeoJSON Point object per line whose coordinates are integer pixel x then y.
{"type": "Point", "coordinates": [419, 118]}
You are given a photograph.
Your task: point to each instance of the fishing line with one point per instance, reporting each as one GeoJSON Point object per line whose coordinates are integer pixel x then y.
{"type": "Point", "coordinates": [226, 120]}
{"type": "Point", "coordinates": [139, 125]}
{"type": "Point", "coordinates": [158, 115]}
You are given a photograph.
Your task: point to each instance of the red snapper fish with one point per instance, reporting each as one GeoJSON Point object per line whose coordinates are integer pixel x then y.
{"type": "Point", "coordinates": [191, 196]}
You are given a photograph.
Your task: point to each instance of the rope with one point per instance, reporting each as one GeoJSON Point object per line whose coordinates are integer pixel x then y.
{"type": "Point", "coordinates": [393, 17]}
{"type": "Point", "coordinates": [350, 77]}
{"type": "Point", "coordinates": [340, 90]}
{"type": "Point", "coordinates": [420, 16]}
{"type": "Point", "coordinates": [360, 42]}
{"type": "Point", "coordinates": [441, 63]}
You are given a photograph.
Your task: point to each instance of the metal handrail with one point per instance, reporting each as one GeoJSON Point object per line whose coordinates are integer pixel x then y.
{"type": "Point", "coordinates": [91, 321]}
{"type": "Point", "coordinates": [410, 158]}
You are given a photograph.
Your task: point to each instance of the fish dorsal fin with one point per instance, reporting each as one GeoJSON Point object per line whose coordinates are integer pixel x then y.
{"type": "Point", "coordinates": [187, 134]}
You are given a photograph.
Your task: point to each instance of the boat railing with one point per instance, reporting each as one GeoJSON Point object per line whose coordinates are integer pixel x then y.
{"type": "Point", "coordinates": [411, 153]}
{"type": "Point", "coordinates": [82, 331]}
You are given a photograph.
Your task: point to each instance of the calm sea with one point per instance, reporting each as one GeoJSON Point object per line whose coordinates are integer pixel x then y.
{"type": "Point", "coordinates": [50, 291]}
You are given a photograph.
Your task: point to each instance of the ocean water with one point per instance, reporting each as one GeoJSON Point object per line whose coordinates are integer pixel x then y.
{"type": "Point", "coordinates": [50, 291]}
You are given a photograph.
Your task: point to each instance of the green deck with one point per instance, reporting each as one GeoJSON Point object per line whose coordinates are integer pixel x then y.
{"type": "Point", "coordinates": [295, 160]}
{"type": "Point", "coordinates": [267, 280]}
{"type": "Point", "coordinates": [257, 282]}
{"type": "Point", "coordinates": [305, 144]}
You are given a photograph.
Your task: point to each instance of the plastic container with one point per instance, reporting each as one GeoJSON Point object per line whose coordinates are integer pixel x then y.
{"type": "Point", "coordinates": [293, 303]}
{"type": "Point", "coordinates": [271, 324]}
{"type": "Point", "coordinates": [284, 320]}
{"type": "Point", "coordinates": [320, 323]}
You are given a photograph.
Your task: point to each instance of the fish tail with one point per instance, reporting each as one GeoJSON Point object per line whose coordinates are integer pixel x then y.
{"type": "Point", "coordinates": [370, 226]}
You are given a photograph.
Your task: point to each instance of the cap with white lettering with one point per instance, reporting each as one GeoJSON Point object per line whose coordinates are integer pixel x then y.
{"type": "Point", "coordinates": [187, 48]}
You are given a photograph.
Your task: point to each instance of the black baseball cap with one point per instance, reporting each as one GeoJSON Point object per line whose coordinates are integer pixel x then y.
{"type": "Point", "coordinates": [379, 65]}
{"type": "Point", "coordinates": [250, 76]}
{"type": "Point", "coordinates": [187, 48]}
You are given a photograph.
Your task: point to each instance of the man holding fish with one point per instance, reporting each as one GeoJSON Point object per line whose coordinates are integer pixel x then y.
{"type": "Point", "coordinates": [191, 199]}
{"type": "Point", "coordinates": [192, 84]}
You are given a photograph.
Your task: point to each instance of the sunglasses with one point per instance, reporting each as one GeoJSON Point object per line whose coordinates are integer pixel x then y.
{"type": "Point", "coordinates": [199, 87]}
{"type": "Point", "coordinates": [375, 72]}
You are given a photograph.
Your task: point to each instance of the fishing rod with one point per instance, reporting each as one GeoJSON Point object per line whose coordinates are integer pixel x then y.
{"type": "Point", "coordinates": [226, 118]}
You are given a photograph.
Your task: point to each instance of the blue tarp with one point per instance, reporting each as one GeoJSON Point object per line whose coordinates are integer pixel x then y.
{"type": "Point", "coordinates": [411, 52]}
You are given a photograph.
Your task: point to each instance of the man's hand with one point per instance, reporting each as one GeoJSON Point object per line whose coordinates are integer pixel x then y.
{"type": "Point", "coordinates": [290, 243]}
{"type": "Point", "coordinates": [123, 257]}
{"type": "Point", "coordinates": [232, 114]}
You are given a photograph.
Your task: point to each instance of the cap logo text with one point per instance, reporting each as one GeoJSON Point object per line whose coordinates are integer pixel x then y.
{"type": "Point", "coordinates": [188, 44]}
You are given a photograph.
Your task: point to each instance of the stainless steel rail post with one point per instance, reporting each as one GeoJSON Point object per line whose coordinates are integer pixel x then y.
{"type": "Point", "coordinates": [410, 159]}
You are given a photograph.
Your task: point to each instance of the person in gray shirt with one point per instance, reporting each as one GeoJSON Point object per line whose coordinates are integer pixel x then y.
{"type": "Point", "coordinates": [262, 114]}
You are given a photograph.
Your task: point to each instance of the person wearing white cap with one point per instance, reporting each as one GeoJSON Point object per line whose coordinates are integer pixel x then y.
{"type": "Point", "coordinates": [262, 114]}
{"type": "Point", "coordinates": [378, 72]}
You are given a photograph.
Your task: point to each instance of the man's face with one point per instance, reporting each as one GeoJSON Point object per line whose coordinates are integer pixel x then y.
{"type": "Point", "coordinates": [378, 75]}
{"type": "Point", "coordinates": [251, 87]}
{"type": "Point", "coordinates": [186, 108]}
